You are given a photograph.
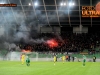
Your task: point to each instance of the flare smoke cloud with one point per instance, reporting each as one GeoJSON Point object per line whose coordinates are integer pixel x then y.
{"type": "Point", "coordinates": [15, 25]}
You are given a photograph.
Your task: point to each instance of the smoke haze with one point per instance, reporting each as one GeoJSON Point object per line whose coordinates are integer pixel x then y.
{"type": "Point", "coordinates": [17, 25]}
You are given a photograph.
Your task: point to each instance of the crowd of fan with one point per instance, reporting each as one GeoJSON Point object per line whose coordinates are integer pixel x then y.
{"type": "Point", "coordinates": [70, 42]}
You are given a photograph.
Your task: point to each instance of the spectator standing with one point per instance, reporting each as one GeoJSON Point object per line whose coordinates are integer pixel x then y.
{"type": "Point", "coordinates": [94, 58]}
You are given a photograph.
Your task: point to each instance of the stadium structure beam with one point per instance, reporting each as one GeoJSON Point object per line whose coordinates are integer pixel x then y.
{"type": "Point", "coordinates": [35, 14]}
{"type": "Point", "coordinates": [79, 12]}
{"type": "Point", "coordinates": [13, 12]}
{"type": "Point", "coordinates": [69, 16]}
{"type": "Point", "coordinates": [46, 13]}
{"type": "Point", "coordinates": [22, 9]}
{"type": "Point", "coordinates": [57, 13]}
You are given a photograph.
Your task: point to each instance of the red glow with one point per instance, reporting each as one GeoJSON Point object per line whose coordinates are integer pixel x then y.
{"type": "Point", "coordinates": [26, 51]}
{"type": "Point", "coordinates": [52, 43]}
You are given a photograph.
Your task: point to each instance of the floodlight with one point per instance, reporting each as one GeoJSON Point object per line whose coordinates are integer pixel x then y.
{"type": "Point", "coordinates": [61, 4]}
{"type": "Point", "coordinates": [71, 4]}
{"type": "Point", "coordinates": [36, 3]}
{"type": "Point", "coordinates": [64, 4]}
{"type": "Point", "coordinates": [29, 4]}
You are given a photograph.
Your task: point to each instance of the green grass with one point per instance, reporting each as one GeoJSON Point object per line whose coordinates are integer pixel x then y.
{"type": "Point", "coordinates": [48, 68]}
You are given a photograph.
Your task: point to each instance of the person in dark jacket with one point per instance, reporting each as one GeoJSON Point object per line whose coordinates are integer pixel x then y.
{"type": "Point", "coordinates": [94, 58]}
{"type": "Point", "coordinates": [73, 58]}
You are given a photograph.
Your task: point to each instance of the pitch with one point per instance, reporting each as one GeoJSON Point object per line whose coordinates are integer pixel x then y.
{"type": "Point", "coordinates": [48, 68]}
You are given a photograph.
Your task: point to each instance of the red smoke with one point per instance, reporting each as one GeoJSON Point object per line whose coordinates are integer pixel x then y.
{"type": "Point", "coordinates": [52, 43]}
{"type": "Point", "coordinates": [26, 51]}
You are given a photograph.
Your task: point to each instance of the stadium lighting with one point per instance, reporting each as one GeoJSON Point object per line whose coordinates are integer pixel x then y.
{"type": "Point", "coordinates": [36, 4]}
{"type": "Point", "coordinates": [71, 4]}
{"type": "Point", "coordinates": [29, 4]}
{"type": "Point", "coordinates": [61, 4]}
{"type": "Point", "coordinates": [64, 4]}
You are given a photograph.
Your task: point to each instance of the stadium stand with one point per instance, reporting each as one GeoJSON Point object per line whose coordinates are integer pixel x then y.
{"type": "Point", "coordinates": [85, 42]}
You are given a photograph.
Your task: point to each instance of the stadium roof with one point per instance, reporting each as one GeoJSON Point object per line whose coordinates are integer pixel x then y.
{"type": "Point", "coordinates": [48, 12]}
